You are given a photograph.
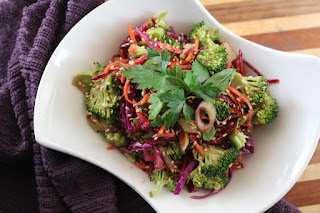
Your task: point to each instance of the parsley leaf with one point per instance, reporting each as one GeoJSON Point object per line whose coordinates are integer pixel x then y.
{"type": "Point", "coordinates": [176, 100]}
{"type": "Point", "coordinates": [155, 106]}
{"type": "Point", "coordinates": [206, 91]}
{"type": "Point", "coordinates": [209, 135]}
{"type": "Point", "coordinates": [200, 71]}
{"type": "Point", "coordinates": [145, 77]}
{"type": "Point", "coordinates": [159, 62]}
{"type": "Point", "coordinates": [222, 79]}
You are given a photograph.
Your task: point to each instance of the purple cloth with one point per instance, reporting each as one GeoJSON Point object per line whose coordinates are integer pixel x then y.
{"type": "Point", "coordinates": [34, 178]}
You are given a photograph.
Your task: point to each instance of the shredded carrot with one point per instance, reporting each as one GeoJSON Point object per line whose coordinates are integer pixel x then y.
{"type": "Point", "coordinates": [245, 99]}
{"type": "Point", "coordinates": [132, 37]}
{"type": "Point", "coordinates": [186, 67]}
{"type": "Point", "coordinates": [162, 128]}
{"type": "Point", "coordinates": [229, 65]}
{"type": "Point", "coordinates": [193, 171]}
{"type": "Point", "coordinates": [107, 69]}
{"type": "Point", "coordinates": [140, 165]}
{"type": "Point", "coordinates": [126, 91]}
{"type": "Point", "coordinates": [131, 50]}
{"type": "Point", "coordinates": [140, 115]}
{"type": "Point", "coordinates": [164, 135]}
{"type": "Point", "coordinates": [111, 147]}
{"type": "Point", "coordinates": [144, 100]}
{"type": "Point", "coordinates": [196, 44]}
{"type": "Point", "coordinates": [171, 49]}
{"type": "Point", "coordinates": [231, 96]}
{"type": "Point", "coordinates": [198, 147]}
{"type": "Point", "coordinates": [190, 55]}
{"type": "Point", "coordinates": [122, 79]}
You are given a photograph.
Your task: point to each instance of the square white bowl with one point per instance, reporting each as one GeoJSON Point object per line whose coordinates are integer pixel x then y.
{"type": "Point", "coordinates": [282, 149]}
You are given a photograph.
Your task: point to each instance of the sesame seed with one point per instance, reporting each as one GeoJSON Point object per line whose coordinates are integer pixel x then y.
{"type": "Point", "coordinates": [129, 115]}
{"type": "Point", "coordinates": [172, 170]}
{"type": "Point", "coordinates": [224, 135]}
{"type": "Point", "coordinates": [163, 153]}
{"type": "Point", "coordinates": [172, 162]}
{"type": "Point", "coordinates": [127, 108]}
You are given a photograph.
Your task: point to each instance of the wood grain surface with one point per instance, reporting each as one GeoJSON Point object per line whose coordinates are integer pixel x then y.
{"type": "Point", "coordinates": [287, 25]}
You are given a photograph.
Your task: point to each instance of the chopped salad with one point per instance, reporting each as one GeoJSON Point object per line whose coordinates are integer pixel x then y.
{"type": "Point", "coordinates": [179, 106]}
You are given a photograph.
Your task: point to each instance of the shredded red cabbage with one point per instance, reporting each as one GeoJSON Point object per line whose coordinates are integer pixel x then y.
{"type": "Point", "coordinates": [151, 43]}
{"type": "Point", "coordinates": [126, 108]}
{"type": "Point", "coordinates": [154, 157]}
{"type": "Point", "coordinates": [184, 177]}
{"type": "Point", "coordinates": [248, 148]}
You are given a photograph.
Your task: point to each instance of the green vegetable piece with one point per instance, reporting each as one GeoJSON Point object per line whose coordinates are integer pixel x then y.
{"type": "Point", "coordinates": [174, 151]}
{"type": "Point", "coordinates": [163, 178]}
{"type": "Point", "coordinates": [170, 41]}
{"type": "Point", "coordinates": [138, 51]}
{"type": "Point", "coordinates": [266, 110]}
{"type": "Point", "coordinates": [214, 57]}
{"type": "Point", "coordinates": [238, 138]}
{"type": "Point", "coordinates": [95, 122]}
{"type": "Point", "coordinates": [201, 180]}
{"type": "Point", "coordinates": [83, 80]}
{"type": "Point", "coordinates": [252, 87]}
{"type": "Point", "coordinates": [103, 98]}
{"type": "Point", "coordinates": [222, 108]}
{"type": "Point", "coordinates": [209, 135]}
{"type": "Point", "coordinates": [183, 140]}
{"type": "Point", "coordinates": [161, 23]}
{"type": "Point", "coordinates": [116, 139]}
{"type": "Point", "coordinates": [216, 160]}
{"type": "Point", "coordinates": [213, 167]}
{"type": "Point", "coordinates": [157, 32]}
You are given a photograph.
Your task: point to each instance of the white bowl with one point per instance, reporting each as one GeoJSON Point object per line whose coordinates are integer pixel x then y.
{"type": "Point", "coordinates": [283, 148]}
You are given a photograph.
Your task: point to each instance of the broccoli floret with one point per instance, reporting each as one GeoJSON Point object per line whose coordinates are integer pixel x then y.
{"type": "Point", "coordinates": [216, 160]}
{"type": "Point", "coordinates": [213, 166]}
{"type": "Point", "coordinates": [103, 98]}
{"type": "Point", "coordinates": [266, 110]}
{"type": "Point", "coordinates": [95, 122]}
{"type": "Point", "coordinates": [116, 139]}
{"type": "Point", "coordinates": [174, 151]}
{"type": "Point", "coordinates": [214, 57]}
{"type": "Point", "coordinates": [199, 179]}
{"type": "Point", "coordinates": [163, 178]}
{"type": "Point", "coordinates": [252, 87]}
{"type": "Point", "coordinates": [238, 138]}
{"type": "Point", "coordinates": [222, 108]}
{"type": "Point", "coordinates": [83, 80]}
{"type": "Point", "coordinates": [170, 41]}
{"type": "Point", "coordinates": [202, 33]}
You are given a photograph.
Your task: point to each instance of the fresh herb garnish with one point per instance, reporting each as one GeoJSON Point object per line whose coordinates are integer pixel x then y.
{"type": "Point", "coordinates": [172, 87]}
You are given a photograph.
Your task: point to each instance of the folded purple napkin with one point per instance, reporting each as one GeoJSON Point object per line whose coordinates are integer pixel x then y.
{"type": "Point", "coordinates": [34, 178]}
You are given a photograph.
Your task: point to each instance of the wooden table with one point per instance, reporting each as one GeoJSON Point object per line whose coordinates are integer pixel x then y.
{"type": "Point", "coordinates": [287, 25]}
